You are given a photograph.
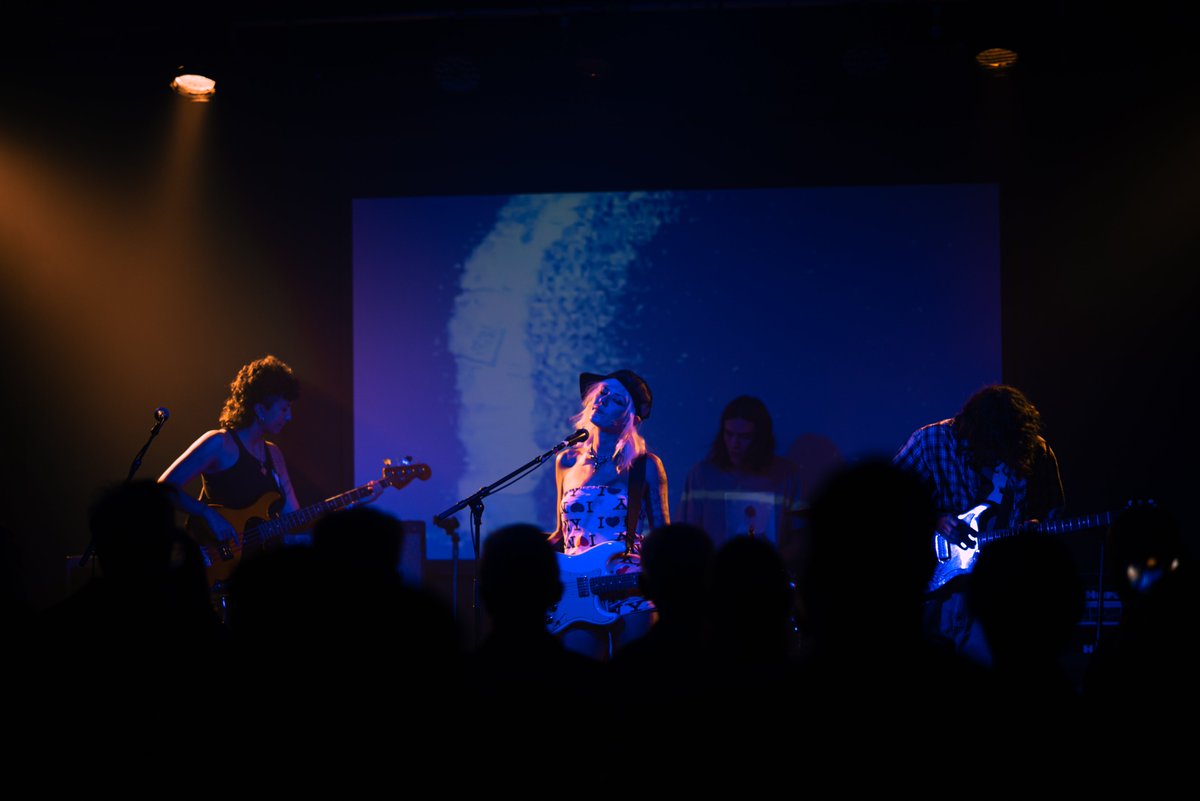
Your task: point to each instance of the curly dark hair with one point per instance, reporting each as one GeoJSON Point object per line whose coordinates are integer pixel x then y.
{"type": "Point", "coordinates": [762, 448]}
{"type": "Point", "coordinates": [260, 381]}
{"type": "Point", "coordinates": [999, 424]}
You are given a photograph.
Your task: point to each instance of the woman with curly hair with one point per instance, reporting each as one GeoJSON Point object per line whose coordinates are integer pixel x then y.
{"type": "Point", "coordinates": [237, 463]}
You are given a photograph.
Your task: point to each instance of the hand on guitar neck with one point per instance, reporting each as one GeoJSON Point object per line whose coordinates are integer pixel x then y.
{"type": "Point", "coordinates": [376, 489]}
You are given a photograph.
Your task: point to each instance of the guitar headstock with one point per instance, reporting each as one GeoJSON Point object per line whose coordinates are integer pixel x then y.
{"type": "Point", "coordinates": [400, 475]}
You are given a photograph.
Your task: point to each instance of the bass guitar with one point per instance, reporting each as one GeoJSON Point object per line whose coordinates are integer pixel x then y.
{"type": "Point", "coordinates": [258, 529]}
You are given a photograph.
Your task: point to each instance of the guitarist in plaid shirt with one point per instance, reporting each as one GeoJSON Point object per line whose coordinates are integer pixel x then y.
{"type": "Point", "coordinates": [992, 452]}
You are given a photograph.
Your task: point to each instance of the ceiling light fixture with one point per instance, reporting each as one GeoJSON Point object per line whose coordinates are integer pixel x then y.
{"type": "Point", "coordinates": [996, 59]}
{"type": "Point", "coordinates": [197, 88]}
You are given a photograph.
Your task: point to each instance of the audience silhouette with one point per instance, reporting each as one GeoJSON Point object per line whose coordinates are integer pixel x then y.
{"type": "Point", "coordinates": [319, 634]}
{"type": "Point", "coordinates": [520, 668]}
{"type": "Point", "coordinates": [1028, 597]}
{"type": "Point", "coordinates": [671, 665]}
{"type": "Point", "coordinates": [871, 680]}
{"type": "Point", "coordinates": [1142, 678]}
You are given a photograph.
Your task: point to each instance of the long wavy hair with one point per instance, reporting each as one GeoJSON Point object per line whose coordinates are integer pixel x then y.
{"type": "Point", "coordinates": [630, 444]}
{"type": "Point", "coordinates": [999, 424]}
{"type": "Point", "coordinates": [762, 447]}
{"type": "Point", "coordinates": [260, 381]}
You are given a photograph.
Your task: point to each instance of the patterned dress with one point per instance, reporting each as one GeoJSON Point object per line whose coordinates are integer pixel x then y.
{"type": "Point", "coordinates": [593, 515]}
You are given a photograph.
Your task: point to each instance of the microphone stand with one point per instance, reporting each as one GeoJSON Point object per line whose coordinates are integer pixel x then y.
{"type": "Point", "coordinates": [137, 460]}
{"type": "Point", "coordinates": [450, 527]}
{"type": "Point", "coordinates": [475, 501]}
{"type": "Point", "coordinates": [90, 551]}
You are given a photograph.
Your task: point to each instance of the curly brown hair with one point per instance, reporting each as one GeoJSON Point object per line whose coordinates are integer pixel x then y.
{"type": "Point", "coordinates": [260, 381]}
{"type": "Point", "coordinates": [1000, 424]}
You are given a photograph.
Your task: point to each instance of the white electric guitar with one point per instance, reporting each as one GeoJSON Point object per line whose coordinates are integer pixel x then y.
{"type": "Point", "coordinates": [588, 579]}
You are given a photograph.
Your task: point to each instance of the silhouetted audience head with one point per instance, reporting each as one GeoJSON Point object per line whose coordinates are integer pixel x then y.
{"type": "Point", "coordinates": [1028, 596]}
{"type": "Point", "coordinates": [518, 573]}
{"type": "Point", "coordinates": [871, 552]}
{"type": "Point", "coordinates": [134, 531]}
{"type": "Point", "coordinates": [282, 595]}
{"type": "Point", "coordinates": [363, 537]}
{"type": "Point", "coordinates": [676, 560]}
{"type": "Point", "coordinates": [753, 600]}
{"type": "Point", "coordinates": [146, 618]}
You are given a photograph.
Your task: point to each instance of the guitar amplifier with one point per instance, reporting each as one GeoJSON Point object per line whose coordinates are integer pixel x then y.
{"type": "Point", "coordinates": [1104, 608]}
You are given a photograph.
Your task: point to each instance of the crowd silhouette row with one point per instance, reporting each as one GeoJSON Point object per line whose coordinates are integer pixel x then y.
{"type": "Point", "coordinates": [744, 654]}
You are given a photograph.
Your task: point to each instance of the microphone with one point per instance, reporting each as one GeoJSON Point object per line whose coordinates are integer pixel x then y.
{"type": "Point", "coordinates": [579, 436]}
{"type": "Point", "coordinates": [161, 414]}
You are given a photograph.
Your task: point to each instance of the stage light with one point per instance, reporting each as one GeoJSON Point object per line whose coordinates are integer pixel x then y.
{"type": "Point", "coordinates": [996, 59]}
{"type": "Point", "coordinates": [197, 88]}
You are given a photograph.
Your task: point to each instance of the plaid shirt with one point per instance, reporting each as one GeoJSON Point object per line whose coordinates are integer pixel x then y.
{"type": "Point", "coordinates": [936, 454]}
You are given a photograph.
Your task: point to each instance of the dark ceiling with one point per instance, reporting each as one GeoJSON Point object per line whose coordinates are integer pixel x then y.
{"type": "Point", "coordinates": [495, 46]}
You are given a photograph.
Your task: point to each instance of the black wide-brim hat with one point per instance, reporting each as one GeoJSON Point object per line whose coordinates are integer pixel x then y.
{"type": "Point", "coordinates": [637, 387]}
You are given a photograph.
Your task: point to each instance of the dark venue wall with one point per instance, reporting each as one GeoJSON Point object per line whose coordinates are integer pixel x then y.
{"type": "Point", "coordinates": [149, 246]}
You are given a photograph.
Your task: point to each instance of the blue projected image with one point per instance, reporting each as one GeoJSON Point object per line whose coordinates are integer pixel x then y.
{"type": "Point", "coordinates": [855, 313]}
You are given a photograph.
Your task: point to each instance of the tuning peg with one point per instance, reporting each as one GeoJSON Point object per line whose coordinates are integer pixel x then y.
{"type": "Point", "coordinates": [387, 462]}
{"type": "Point", "coordinates": [406, 460]}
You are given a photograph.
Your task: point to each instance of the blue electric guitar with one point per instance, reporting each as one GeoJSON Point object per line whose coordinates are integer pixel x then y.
{"type": "Point", "coordinates": [955, 560]}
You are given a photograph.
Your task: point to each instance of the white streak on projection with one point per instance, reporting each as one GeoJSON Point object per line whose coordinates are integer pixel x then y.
{"type": "Point", "coordinates": [487, 338]}
{"type": "Point", "coordinates": [537, 299]}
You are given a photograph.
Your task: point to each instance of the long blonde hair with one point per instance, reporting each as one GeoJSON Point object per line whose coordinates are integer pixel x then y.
{"type": "Point", "coordinates": [630, 444]}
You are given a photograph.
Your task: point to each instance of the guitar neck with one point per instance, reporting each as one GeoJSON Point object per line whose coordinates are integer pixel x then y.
{"type": "Point", "coordinates": [1048, 527]}
{"type": "Point", "coordinates": [303, 518]}
{"type": "Point", "coordinates": [619, 582]}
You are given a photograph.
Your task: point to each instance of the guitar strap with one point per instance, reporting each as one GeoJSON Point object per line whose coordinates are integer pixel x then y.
{"type": "Point", "coordinates": [637, 495]}
{"type": "Point", "coordinates": [271, 466]}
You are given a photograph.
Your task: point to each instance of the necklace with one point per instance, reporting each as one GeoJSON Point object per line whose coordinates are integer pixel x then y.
{"type": "Point", "coordinates": [262, 462]}
{"type": "Point", "coordinates": [597, 460]}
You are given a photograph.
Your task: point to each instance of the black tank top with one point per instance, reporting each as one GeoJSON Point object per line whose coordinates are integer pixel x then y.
{"type": "Point", "coordinates": [243, 482]}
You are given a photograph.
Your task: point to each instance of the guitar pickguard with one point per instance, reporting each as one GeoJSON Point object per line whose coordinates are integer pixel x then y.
{"type": "Point", "coordinates": [588, 579]}
{"type": "Point", "coordinates": [953, 559]}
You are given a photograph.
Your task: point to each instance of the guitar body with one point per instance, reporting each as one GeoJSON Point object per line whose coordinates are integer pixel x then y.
{"type": "Point", "coordinates": [953, 559]}
{"type": "Point", "coordinates": [220, 558]}
{"type": "Point", "coordinates": [588, 578]}
{"type": "Point", "coordinates": [956, 562]}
